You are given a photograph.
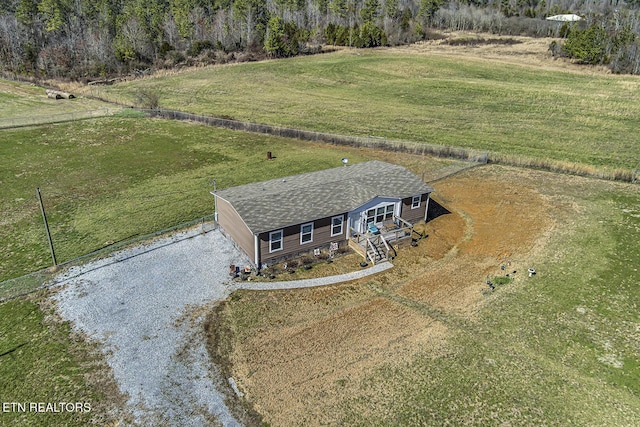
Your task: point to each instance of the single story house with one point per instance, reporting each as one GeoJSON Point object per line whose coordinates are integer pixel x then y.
{"type": "Point", "coordinates": [284, 217]}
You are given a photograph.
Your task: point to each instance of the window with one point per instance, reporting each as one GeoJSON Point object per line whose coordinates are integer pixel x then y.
{"type": "Point", "coordinates": [275, 241]}
{"type": "Point", "coordinates": [336, 225]}
{"type": "Point", "coordinates": [388, 213]}
{"type": "Point", "coordinates": [415, 202]}
{"type": "Point", "coordinates": [306, 233]}
{"type": "Point", "coordinates": [381, 213]}
{"type": "Point", "coordinates": [371, 216]}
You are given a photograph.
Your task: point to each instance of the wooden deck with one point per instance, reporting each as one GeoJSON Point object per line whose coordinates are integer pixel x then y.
{"type": "Point", "coordinates": [379, 246]}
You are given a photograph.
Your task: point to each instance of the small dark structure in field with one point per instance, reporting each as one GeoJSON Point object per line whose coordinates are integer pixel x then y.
{"type": "Point", "coordinates": [365, 206]}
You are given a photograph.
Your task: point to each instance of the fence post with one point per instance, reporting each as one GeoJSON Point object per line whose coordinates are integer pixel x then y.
{"type": "Point", "coordinates": [46, 226]}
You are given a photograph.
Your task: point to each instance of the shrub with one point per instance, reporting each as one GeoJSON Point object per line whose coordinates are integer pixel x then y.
{"type": "Point", "coordinates": [371, 36]}
{"type": "Point", "coordinates": [173, 58]}
{"type": "Point", "coordinates": [323, 256]}
{"type": "Point", "coordinates": [501, 280]}
{"type": "Point", "coordinates": [165, 48]}
{"type": "Point", "coordinates": [283, 38]}
{"type": "Point", "coordinates": [198, 46]}
{"type": "Point", "coordinates": [343, 250]}
{"type": "Point", "coordinates": [273, 270]}
{"type": "Point", "coordinates": [555, 49]}
{"type": "Point", "coordinates": [337, 35]}
{"type": "Point", "coordinates": [146, 98]}
{"type": "Point", "coordinates": [292, 263]}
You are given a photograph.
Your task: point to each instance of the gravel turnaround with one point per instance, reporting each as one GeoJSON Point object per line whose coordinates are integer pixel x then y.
{"type": "Point", "coordinates": [145, 306]}
{"type": "Point", "coordinates": [138, 303]}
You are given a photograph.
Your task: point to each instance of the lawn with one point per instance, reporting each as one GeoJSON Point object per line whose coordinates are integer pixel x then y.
{"type": "Point", "coordinates": [427, 343]}
{"type": "Point", "coordinates": [509, 109]}
{"type": "Point", "coordinates": [43, 362]}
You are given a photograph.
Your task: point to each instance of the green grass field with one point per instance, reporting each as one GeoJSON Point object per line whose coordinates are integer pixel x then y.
{"type": "Point", "coordinates": [42, 361]}
{"type": "Point", "coordinates": [25, 101]}
{"type": "Point", "coordinates": [507, 109]}
{"type": "Point", "coordinates": [104, 180]}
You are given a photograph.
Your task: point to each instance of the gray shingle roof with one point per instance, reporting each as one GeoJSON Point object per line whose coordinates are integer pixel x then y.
{"type": "Point", "coordinates": [274, 204]}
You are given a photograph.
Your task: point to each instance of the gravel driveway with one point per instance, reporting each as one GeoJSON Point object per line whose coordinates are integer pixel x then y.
{"type": "Point", "coordinates": [140, 304]}
{"type": "Point", "coordinates": [145, 306]}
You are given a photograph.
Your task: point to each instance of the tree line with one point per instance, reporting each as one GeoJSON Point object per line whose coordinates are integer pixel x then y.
{"type": "Point", "coordinates": [87, 39]}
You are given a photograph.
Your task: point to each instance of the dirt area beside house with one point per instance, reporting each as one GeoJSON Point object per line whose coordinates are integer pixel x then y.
{"type": "Point", "coordinates": [299, 355]}
{"type": "Point", "coordinates": [495, 223]}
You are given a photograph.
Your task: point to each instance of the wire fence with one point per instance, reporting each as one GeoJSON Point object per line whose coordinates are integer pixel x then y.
{"type": "Point", "coordinates": [467, 154]}
{"type": "Point", "coordinates": [474, 157]}
{"type": "Point", "coordinates": [15, 122]}
{"type": "Point", "coordinates": [447, 171]}
{"type": "Point", "coordinates": [32, 282]}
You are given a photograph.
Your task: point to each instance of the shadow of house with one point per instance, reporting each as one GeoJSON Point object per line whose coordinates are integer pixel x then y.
{"type": "Point", "coordinates": [435, 209]}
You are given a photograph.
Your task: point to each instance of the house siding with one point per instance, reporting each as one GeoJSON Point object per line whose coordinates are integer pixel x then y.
{"type": "Point", "coordinates": [234, 227]}
{"type": "Point", "coordinates": [414, 215]}
{"type": "Point", "coordinates": [291, 240]}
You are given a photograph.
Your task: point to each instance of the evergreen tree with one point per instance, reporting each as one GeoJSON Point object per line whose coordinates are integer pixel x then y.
{"type": "Point", "coordinates": [274, 44]}
{"type": "Point", "coordinates": [587, 46]}
{"type": "Point", "coordinates": [369, 11]}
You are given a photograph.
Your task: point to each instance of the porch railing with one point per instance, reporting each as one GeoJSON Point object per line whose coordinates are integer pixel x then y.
{"type": "Point", "coordinates": [373, 248]}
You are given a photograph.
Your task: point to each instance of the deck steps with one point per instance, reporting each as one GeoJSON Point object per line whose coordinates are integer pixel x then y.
{"type": "Point", "coordinates": [375, 254]}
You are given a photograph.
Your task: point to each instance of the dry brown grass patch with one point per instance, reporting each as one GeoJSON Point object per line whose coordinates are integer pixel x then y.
{"type": "Point", "coordinates": [307, 369]}
{"type": "Point", "coordinates": [526, 51]}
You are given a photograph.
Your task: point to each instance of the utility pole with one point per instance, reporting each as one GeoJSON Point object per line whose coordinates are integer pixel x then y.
{"type": "Point", "coordinates": [215, 204]}
{"type": "Point", "coordinates": [46, 226]}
